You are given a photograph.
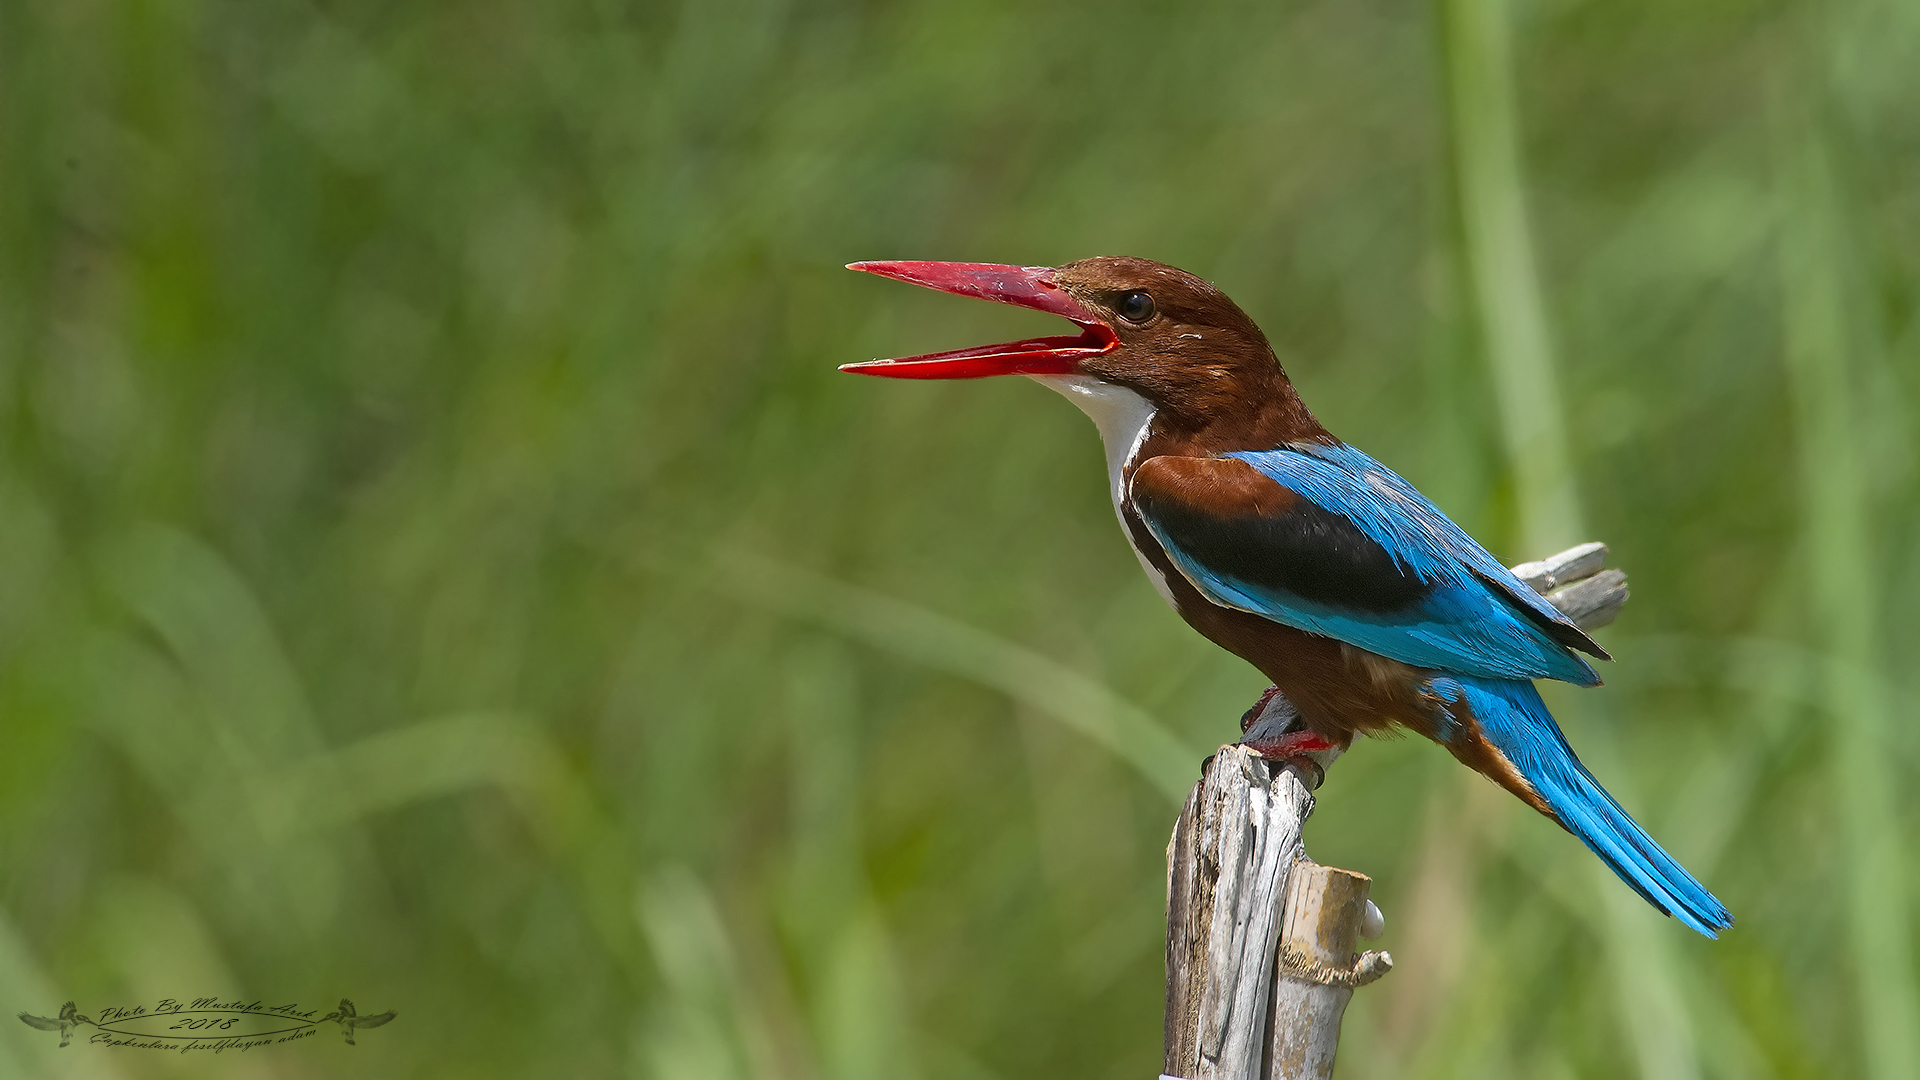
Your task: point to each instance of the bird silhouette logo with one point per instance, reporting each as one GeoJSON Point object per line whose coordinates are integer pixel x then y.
{"type": "Point", "coordinates": [348, 1019]}
{"type": "Point", "coordinates": [69, 1019]}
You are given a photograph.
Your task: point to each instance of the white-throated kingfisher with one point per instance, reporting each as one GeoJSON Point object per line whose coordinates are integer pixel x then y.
{"type": "Point", "coordinates": [1315, 563]}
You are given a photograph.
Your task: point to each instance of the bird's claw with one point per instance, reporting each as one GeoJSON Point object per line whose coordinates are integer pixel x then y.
{"type": "Point", "coordinates": [1292, 748]}
{"type": "Point", "coordinates": [1252, 716]}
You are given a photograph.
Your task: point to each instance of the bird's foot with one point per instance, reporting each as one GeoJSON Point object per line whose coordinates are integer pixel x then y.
{"type": "Point", "coordinates": [1253, 715]}
{"type": "Point", "coordinates": [1292, 749]}
{"type": "Point", "coordinates": [1290, 744]}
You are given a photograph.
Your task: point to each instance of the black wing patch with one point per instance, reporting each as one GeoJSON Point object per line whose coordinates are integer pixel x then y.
{"type": "Point", "coordinates": [1269, 537]}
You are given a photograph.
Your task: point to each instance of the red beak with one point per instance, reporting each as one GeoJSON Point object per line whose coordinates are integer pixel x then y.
{"type": "Point", "coordinates": [1026, 286]}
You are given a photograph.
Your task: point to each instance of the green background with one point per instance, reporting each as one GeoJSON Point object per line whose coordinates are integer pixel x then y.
{"type": "Point", "coordinates": [440, 565]}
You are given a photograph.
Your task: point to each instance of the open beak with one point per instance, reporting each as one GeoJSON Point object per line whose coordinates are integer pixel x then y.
{"type": "Point", "coordinates": [1026, 286]}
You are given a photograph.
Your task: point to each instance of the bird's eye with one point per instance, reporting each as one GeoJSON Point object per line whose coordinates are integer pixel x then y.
{"type": "Point", "coordinates": [1136, 307]}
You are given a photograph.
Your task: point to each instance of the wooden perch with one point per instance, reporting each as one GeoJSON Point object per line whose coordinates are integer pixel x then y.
{"type": "Point", "coordinates": [1574, 582]}
{"type": "Point", "coordinates": [1261, 941]}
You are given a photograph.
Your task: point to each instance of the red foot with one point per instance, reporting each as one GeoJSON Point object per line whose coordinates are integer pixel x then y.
{"type": "Point", "coordinates": [1246, 721]}
{"type": "Point", "coordinates": [1292, 744]}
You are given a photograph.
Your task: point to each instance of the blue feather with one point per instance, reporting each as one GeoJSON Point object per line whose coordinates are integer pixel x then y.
{"type": "Point", "coordinates": [1473, 620]}
{"type": "Point", "coordinates": [1401, 518]}
{"type": "Point", "coordinates": [1515, 720]}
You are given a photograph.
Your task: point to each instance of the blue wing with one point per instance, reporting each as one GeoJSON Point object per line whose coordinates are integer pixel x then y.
{"type": "Point", "coordinates": [1328, 540]}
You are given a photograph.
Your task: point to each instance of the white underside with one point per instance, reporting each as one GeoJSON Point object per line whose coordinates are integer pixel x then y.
{"type": "Point", "coordinates": [1123, 418]}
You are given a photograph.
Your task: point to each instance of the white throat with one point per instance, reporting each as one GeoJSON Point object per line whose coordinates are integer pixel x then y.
{"type": "Point", "coordinates": [1123, 418]}
{"type": "Point", "coordinates": [1121, 415]}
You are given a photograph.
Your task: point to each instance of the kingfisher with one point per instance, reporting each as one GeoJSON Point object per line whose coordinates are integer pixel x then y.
{"type": "Point", "coordinates": [1363, 603]}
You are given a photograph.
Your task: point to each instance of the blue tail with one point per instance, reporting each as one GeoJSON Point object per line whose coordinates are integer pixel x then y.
{"type": "Point", "coordinates": [1517, 723]}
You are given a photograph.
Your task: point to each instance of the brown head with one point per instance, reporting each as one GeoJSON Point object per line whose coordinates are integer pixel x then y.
{"type": "Point", "coordinates": [1150, 328]}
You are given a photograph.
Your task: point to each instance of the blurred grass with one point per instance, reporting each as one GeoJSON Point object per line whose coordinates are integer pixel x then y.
{"type": "Point", "coordinates": [1823, 335]}
{"type": "Point", "coordinates": [439, 565]}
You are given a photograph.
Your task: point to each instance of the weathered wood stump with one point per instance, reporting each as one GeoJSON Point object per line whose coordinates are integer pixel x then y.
{"type": "Point", "coordinates": [1260, 940]}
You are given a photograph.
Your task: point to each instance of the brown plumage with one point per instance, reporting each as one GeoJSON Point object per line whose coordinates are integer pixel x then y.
{"type": "Point", "coordinates": [1201, 360]}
